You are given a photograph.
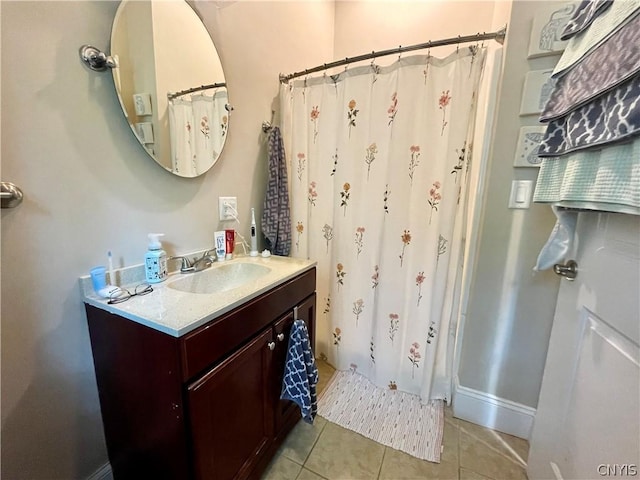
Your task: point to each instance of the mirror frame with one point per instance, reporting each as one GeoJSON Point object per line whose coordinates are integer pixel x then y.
{"type": "Point", "coordinates": [158, 62]}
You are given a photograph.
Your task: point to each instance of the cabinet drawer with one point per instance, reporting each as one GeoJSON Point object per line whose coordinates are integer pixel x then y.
{"type": "Point", "coordinates": [214, 341]}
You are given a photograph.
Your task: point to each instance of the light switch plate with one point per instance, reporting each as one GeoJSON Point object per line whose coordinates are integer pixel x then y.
{"type": "Point", "coordinates": [520, 194]}
{"type": "Point", "coordinates": [142, 103]}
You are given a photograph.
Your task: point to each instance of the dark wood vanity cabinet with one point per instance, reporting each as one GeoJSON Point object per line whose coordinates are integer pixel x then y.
{"type": "Point", "coordinates": [206, 405]}
{"type": "Point", "coordinates": [231, 413]}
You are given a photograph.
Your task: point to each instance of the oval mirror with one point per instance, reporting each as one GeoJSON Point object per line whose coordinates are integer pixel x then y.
{"type": "Point", "coordinates": [170, 84]}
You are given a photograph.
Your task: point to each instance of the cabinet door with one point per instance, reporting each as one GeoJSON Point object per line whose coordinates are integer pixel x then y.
{"type": "Point", "coordinates": [307, 312]}
{"type": "Point", "coordinates": [287, 413]}
{"type": "Point", "coordinates": [284, 408]}
{"type": "Point", "coordinates": [232, 412]}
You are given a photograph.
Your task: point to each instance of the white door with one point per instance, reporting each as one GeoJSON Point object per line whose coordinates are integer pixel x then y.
{"type": "Point", "coordinates": [587, 424]}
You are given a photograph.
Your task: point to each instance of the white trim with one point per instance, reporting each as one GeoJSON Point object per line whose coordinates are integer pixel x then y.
{"type": "Point", "coordinates": [492, 412]}
{"type": "Point", "coordinates": [103, 473]}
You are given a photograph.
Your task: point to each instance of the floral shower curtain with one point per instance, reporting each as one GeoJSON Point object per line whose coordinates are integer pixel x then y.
{"type": "Point", "coordinates": [378, 164]}
{"type": "Point", "coordinates": [198, 128]}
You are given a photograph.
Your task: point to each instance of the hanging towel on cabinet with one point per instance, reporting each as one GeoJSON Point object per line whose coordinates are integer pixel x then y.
{"type": "Point", "coordinates": [300, 372]}
{"type": "Point", "coordinates": [276, 217]}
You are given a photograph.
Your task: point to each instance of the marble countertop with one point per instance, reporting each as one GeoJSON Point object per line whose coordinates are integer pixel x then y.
{"type": "Point", "coordinates": [176, 312]}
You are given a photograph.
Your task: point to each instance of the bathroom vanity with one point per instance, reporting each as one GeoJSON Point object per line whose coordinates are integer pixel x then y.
{"type": "Point", "coordinates": [199, 399]}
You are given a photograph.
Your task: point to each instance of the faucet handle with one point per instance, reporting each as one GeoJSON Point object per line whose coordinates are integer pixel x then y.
{"type": "Point", "coordinates": [186, 263]}
{"type": "Point", "coordinates": [211, 252]}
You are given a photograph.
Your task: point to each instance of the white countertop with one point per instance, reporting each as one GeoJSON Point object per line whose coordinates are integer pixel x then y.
{"type": "Point", "coordinates": [176, 312]}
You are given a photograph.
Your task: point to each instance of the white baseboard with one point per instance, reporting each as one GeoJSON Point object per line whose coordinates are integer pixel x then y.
{"type": "Point", "coordinates": [103, 473]}
{"type": "Point", "coordinates": [492, 412]}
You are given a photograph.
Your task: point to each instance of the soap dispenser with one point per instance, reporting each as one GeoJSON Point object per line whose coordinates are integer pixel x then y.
{"type": "Point", "coordinates": [155, 261]}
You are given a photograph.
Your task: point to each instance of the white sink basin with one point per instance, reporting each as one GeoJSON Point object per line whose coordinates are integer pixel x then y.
{"type": "Point", "coordinates": [219, 278]}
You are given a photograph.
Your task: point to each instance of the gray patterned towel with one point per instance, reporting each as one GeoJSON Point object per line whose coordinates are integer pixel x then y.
{"type": "Point", "coordinates": [606, 67]}
{"type": "Point", "coordinates": [276, 217]}
{"type": "Point", "coordinates": [610, 118]}
{"type": "Point", "coordinates": [585, 14]}
{"type": "Point", "coordinates": [300, 372]}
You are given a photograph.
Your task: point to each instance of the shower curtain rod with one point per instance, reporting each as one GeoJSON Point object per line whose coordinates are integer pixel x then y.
{"type": "Point", "coordinates": [497, 36]}
{"type": "Point", "coordinates": [171, 96]}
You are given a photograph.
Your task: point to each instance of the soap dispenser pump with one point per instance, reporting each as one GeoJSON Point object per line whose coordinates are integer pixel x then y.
{"type": "Point", "coordinates": [155, 261]}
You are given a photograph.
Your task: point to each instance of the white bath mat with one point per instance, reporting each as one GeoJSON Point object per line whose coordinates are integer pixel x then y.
{"type": "Point", "coordinates": [390, 417]}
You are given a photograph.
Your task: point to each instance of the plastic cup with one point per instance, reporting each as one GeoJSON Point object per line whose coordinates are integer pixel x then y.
{"type": "Point", "coordinates": [99, 278]}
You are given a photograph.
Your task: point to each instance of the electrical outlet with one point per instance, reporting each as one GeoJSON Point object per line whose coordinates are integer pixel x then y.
{"type": "Point", "coordinates": [228, 207]}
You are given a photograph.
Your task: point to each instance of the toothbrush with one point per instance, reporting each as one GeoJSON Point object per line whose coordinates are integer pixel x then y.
{"type": "Point", "coordinates": [254, 240]}
{"type": "Point", "coordinates": [112, 277]}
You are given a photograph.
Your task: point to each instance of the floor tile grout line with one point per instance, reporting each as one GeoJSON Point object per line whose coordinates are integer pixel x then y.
{"type": "Point", "coordinates": [315, 443]}
{"type": "Point", "coordinates": [459, 448]}
{"type": "Point", "coordinates": [495, 449]}
{"type": "Point", "coordinates": [326, 422]}
{"type": "Point", "coordinates": [384, 453]}
{"type": "Point", "coordinates": [312, 471]}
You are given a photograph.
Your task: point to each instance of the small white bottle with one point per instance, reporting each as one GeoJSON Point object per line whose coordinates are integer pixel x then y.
{"type": "Point", "coordinates": [155, 261]}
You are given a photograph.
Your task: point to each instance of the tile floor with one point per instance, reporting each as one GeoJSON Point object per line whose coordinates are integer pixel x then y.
{"type": "Point", "coordinates": [326, 451]}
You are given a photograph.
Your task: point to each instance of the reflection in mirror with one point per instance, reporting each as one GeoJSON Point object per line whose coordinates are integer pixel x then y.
{"type": "Point", "coordinates": [170, 84]}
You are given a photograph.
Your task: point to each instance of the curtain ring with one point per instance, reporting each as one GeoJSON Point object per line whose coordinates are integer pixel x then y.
{"type": "Point", "coordinates": [458, 45]}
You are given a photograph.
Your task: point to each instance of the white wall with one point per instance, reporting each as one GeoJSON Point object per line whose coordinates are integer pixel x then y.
{"type": "Point", "coordinates": [90, 188]}
{"type": "Point", "coordinates": [510, 309]}
{"type": "Point", "coordinates": [362, 26]}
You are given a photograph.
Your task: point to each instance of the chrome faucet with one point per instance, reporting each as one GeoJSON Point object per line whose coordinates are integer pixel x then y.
{"type": "Point", "coordinates": [205, 261]}
{"type": "Point", "coordinates": [197, 264]}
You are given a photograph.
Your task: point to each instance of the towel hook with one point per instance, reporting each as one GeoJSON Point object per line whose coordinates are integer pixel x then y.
{"type": "Point", "coordinates": [266, 126]}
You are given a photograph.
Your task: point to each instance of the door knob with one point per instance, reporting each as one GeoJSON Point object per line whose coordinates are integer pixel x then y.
{"type": "Point", "coordinates": [280, 337]}
{"type": "Point", "coordinates": [271, 345]}
{"type": "Point", "coordinates": [569, 270]}
{"type": "Point", "coordinates": [10, 194]}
